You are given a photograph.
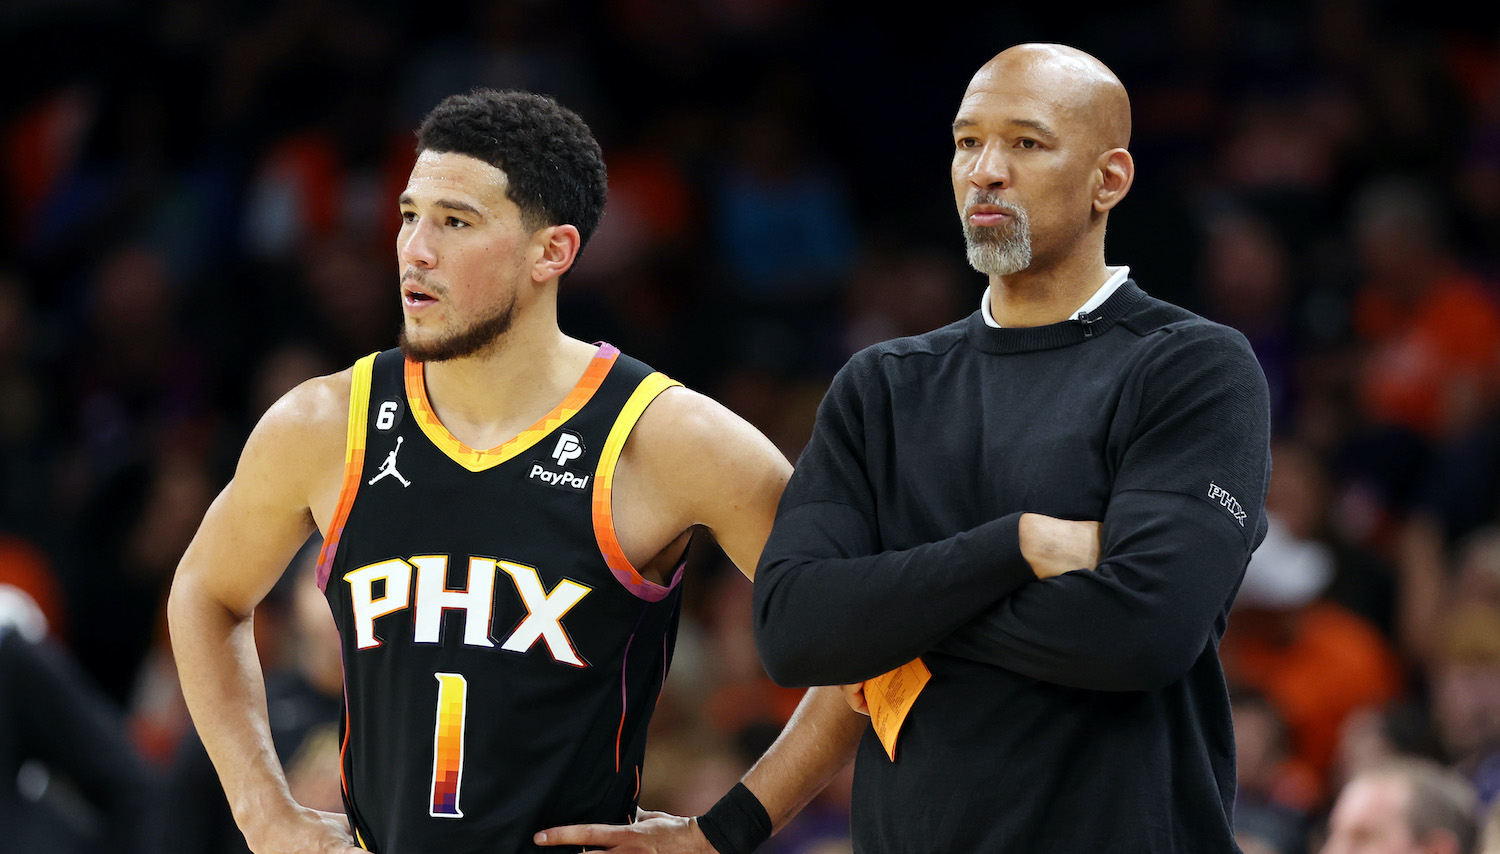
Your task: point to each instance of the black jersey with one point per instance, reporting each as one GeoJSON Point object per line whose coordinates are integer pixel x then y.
{"type": "Point", "coordinates": [502, 658]}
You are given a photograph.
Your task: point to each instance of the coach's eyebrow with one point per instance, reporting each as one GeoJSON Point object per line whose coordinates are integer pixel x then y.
{"type": "Point", "coordinates": [1036, 126]}
{"type": "Point", "coordinates": [963, 123]}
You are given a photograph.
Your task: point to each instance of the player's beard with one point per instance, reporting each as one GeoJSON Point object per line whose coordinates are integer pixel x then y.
{"type": "Point", "coordinates": [999, 250]}
{"type": "Point", "coordinates": [479, 336]}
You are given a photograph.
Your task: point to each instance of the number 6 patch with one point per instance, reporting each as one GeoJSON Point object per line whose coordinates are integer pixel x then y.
{"type": "Point", "coordinates": [388, 415]}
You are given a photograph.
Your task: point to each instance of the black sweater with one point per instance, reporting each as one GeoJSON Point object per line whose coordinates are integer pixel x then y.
{"type": "Point", "coordinates": [1084, 713]}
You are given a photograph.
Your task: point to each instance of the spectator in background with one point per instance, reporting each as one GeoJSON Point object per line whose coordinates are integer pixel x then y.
{"type": "Point", "coordinates": [1363, 581]}
{"type": "Point", "coordinates": [1374, 735]}
{"type": "Point", "coordinates": [785, 234]}
{"type": "Point", "coordinates": [1450, 622]}
{"type": "Point", "coordinates": [1407, 806]}
{"type": "Point", "coordinates": [1465, 695]}
{"type": "Point", "coordinates": [1437, 580]}
{"type": "Point", "coordinates": [1276, 791]}
{"type": "Point", "coordinates": [1431, 368]}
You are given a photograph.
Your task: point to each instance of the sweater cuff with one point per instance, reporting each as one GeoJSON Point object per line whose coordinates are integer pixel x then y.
{"type": "Point", "coordinates": [1003, 539]}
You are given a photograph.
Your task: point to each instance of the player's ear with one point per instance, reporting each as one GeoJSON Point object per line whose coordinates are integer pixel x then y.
{"type": "Point", "coordinates": [559, 245]}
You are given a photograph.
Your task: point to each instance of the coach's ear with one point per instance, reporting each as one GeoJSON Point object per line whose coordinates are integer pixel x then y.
{"type": "Point", "coordinates": [556, 248]}
{"type": "Point", "coordinates": [1116, 174]}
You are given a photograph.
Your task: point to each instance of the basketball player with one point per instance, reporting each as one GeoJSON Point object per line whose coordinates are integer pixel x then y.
{"type": "Point", "coordinates": [505, 512]}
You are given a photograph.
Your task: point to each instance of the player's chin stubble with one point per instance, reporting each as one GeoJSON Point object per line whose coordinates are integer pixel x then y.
{"type": "Point", "coordinates": [465, 342]}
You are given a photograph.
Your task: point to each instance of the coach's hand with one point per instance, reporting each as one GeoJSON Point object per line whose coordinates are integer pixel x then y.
{"type": "Point", "coordinates": [307, 831]}
{"type": "Point", "coordinates": [1055, 546]}
{"type": "Point", "coordinates": [652, 833]}
{"type": "Point", "coordinates": [854, 695]}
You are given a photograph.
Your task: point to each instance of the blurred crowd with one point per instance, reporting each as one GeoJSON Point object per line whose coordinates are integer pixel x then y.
{"type": "Point", "coordinates": [201, 215]}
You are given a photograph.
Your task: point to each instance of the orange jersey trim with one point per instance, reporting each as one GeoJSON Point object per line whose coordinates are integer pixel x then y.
{"type": "Point", "coordinates": [343, 780]}
{"type": "Point", "coordinates": [354, 464]}
{"type": "Point", "coordinates": [481, 460]}
{"type": "Point", "coordinates": [603, 511]}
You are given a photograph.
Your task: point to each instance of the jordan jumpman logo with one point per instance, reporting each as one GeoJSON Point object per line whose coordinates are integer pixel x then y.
{"type": "Point", "coordinates": [389, 466]}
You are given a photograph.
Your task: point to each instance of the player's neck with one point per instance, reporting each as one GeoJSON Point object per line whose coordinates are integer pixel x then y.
{"type": "Point", "coordinates": [486, 399]}
{"type": "Point", "coordinates": [1042, 295]}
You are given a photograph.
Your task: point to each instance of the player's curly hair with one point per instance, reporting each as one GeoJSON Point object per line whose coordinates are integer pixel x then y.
{"type": "Point", "coordinates": [553, 163]}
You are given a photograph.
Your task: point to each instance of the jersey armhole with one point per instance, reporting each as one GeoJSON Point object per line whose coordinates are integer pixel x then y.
{"type": "Point", "coordinates": [603, 509]}
{"type": "Point", "coordinates": [354, 464]}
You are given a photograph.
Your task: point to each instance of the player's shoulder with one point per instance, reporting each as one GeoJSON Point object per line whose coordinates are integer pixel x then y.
{"type": "Point", "coordinates": [315, 403]}
{"type": "Point", "coordinates": [311, 418]}
{"type": "Point", "coordinates": [685, 430]}
{"type": "Point", "coordinates": [680, 414]}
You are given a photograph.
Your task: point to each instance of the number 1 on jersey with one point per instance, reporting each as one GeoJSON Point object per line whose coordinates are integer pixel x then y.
{"type": "Point", "coordinates": [448, 745]}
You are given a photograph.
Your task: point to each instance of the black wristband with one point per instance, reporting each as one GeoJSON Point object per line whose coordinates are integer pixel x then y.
{"type": "Point", "coordinates": [738, 823]}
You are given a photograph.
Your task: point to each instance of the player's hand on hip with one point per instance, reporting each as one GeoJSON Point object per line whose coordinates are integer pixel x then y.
{"type": "Point", "coordinates": [854, 695]}
{"type": "Point", "coordinates": [652, 833]}
{"type": "Point", "coordinates": [1055, 546]}
{"type": "Point", "coordinates": [308, 831]}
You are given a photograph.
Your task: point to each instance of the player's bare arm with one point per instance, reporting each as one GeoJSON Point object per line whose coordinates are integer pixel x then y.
{"type": "Point", "coordinates": [287, 481]}
{"type": "Point", "coordinates": [693, 462]}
